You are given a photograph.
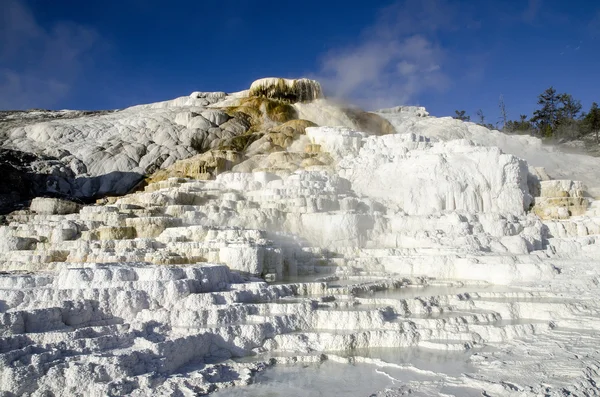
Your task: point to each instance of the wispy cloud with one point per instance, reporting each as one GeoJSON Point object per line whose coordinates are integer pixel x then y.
{"type": "Point", "coordinates": [397, 58]}
{"type": "Point", "coordinates": [38, 65]}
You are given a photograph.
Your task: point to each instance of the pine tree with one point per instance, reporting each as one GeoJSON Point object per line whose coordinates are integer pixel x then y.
{"type": "Point", "coordinates": [570, 107]}
{"type": "Point", "coordinates": [546, 118]}
{"type": "Point", "coordinates": [592, 120]}
{"type": "Point", "coordinates": [568, 125]}
{"type": "Point", "coordinates": [522, 125]}
{"type": "Point", "coordinates": [460, 115]}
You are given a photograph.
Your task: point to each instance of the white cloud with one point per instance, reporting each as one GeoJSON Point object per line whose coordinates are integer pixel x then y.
{"type": "Point", "coordinates": [396, 59]}
{"type": "Point", "coordinates": [39, 66]}
{"type": "Point", "coordinates": [406, 68]}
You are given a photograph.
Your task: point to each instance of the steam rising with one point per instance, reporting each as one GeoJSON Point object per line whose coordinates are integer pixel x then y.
{"type": "Point", "coordinates": [394, 61]}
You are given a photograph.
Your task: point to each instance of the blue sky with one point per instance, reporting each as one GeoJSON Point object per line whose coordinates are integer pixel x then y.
{"type": "Point", "coordinates": [441, 54]}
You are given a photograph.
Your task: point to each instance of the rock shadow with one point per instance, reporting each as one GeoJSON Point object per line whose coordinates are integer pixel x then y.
{"type": "Point", "coordinates": [26, 176]}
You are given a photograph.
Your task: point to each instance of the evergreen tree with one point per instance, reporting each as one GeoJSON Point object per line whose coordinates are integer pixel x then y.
{"type": "Point", "coordinates": [546, 118]}
{"type": "Point", "coordinates": [591, 120]}
{"type": "Point", "coordinates": [460, 115]}
{"type": "Point", "coordinates": [523, 120]}
{"type": "Point", "coordinates": [570, 107]}
{"type": "Point", "coordinates": [522, 125]}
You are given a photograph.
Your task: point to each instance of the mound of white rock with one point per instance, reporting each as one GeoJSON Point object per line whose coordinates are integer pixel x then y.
{"type": "Point", "coordinates": [403, 246]}
{"type": "Point", "coordinates": [108, 154]}
{"type": "Point", "coordinates": [557, 164]}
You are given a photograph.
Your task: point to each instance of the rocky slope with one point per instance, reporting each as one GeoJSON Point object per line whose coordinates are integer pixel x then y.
{"type": "Point", "coordinates": [308, 246]}
{"type": "Point", "coordinates": [89, 155]}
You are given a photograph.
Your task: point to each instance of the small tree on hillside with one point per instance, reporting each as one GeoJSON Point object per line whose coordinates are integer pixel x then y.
{"type": "Point", "coordinates": [482, 122]}
{"type": "Point", "coordinates": [569, 126]}
{"type": "Point", "coordinates": [480, 117]}
{"type": "Point", "coordinates": [592, 120]}
{"type": "Point", "coordinates": [461, 115]}
{"type": "Point", "coordinates": [522, 125]}
{"type": "Point", "coordinates": [546, 118]}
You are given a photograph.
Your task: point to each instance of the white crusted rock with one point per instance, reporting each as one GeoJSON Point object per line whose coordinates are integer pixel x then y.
{"type": "Point", "coordinates": [414, 257]}
{"type": "Point", "coordinates": [53, 206]}
{"type": "Point", "coordinates": [430, 177]}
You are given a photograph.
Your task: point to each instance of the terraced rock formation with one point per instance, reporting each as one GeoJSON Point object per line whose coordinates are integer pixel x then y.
{"type": "Point", "coordinates": [90, 155]}
{"type": "Point", "coordinates": [331, 259]}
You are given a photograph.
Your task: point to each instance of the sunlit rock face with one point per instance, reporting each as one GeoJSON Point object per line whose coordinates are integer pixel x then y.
{"type": "Point", "coordinates": [431, 177]}
{"type": "Point", "coordinates": [93, 156]}
{"type": "Point", "coordinates": [301, 254]}
{"type": "Point", "coordinates": [90, 155]}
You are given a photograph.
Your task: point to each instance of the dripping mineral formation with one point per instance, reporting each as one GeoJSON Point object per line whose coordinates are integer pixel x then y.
{"type": "Point", "coordinates": [270, 241]}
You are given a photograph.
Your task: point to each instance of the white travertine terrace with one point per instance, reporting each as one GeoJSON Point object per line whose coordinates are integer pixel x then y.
{"type": "Point", "coordinates": [416, 257]}
{"type": "Point", "coordinates": [293, 90]}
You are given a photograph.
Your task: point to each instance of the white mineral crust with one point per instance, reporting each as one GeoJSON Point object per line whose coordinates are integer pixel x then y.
{"type": "Point", "coordinates": [414, 257]}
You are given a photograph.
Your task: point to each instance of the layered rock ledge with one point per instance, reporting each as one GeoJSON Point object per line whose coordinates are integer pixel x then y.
{"type": "Point", "coordinates": [275, 245]}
